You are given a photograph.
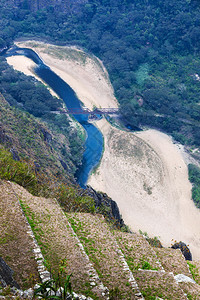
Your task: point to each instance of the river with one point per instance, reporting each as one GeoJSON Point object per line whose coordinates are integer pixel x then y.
{"type": "Point", "coordinates": [94, 139]}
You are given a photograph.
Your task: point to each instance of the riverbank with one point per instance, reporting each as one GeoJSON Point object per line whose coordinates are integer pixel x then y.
{"type": "Point", "coordinates": [26, 66]}
{"type": "Point", "coordinates": [85, 74]}
{"type": "Point", "coordinates": [145, 172]}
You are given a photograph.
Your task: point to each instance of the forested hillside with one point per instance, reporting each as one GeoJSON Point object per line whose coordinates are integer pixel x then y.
{"type": "Point", "coordinates": [27, 94]}
{"type": "Point", "coordinates": [150, 48]}
{"type": "Point", "coordinates": [46, 150]}
{"type": "Point", "coordinates": [40, 159]}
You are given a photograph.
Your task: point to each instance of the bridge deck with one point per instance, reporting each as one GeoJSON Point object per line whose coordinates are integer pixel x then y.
{"type": "Point", "coordinates": [97, 111]}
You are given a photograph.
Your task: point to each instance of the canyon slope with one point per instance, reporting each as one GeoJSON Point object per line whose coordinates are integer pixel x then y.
{"type": "Point", "coordinates": [144, 173]}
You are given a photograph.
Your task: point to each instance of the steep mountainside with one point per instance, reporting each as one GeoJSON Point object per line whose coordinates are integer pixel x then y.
{"type": "Point", "coordinates": [104, 263]}
{"type": "Point", "coordinates": [40, 159]}
{"type": "Point", "coordinates": [32, 140]}
{"type": "Point", "coordinates": [150, 49]}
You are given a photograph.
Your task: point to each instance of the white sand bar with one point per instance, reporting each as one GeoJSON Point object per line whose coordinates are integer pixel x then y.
{"type": "Point", "coordinates": [84, 73]}
{"type": "Point", "coordinates": [144, 173]}
{"type": "Point", "coordinates": [147, 177]}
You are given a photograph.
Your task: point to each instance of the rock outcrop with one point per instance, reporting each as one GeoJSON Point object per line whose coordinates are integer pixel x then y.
{"type": "Point", "coordinates": [6, 275]}
{"type": "Point", "coordinates": [108, 207]}
{"type": "Point", "coordinates": [184, 249]}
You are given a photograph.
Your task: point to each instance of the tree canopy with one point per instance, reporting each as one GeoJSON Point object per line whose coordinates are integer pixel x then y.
{"type": "Point", "coordinates": [150, 48]}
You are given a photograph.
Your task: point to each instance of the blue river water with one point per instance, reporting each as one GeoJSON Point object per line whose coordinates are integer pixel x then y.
{"type": "Point", "coordinates": [94, 141]}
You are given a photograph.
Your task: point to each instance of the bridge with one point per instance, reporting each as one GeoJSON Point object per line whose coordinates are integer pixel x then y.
{"type": "Point", "coordinates": [116, 111]}
{"type": "Point", "coordinates": [86, 111]}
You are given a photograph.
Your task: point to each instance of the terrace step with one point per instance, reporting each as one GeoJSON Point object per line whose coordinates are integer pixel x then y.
{"type": "Point", "coordinates": [158, 284]}
{"type": "Point", "coordinates": [173, 261]}
{"type": "Point", "coordinates": [59, 242]}
{"type": "Point", "coordinates": [103, 259]}
{"type": "Point", "coordinates": [147, 268]}
{"type": "Point", "coordinates": [137, 251]}
{"type": "Point", "coordinates": [104, 252]}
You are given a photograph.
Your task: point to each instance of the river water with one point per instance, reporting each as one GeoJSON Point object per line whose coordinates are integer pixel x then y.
{"type": "Point", "coordinates": [94, 141]}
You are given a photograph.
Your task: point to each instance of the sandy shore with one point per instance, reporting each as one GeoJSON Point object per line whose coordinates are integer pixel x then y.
{"type": "Point", "coordinates": [145, 172]}
{"type": "Point", "coordinates": [85, 74]}
{"type": "Point", "coordinates": [146, 175]}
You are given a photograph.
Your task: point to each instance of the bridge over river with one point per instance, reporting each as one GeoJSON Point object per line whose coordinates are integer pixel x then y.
{"type": "Point", "coordinates": [86, 111]}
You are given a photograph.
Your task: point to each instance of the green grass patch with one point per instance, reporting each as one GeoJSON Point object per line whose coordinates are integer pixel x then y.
{"type": "Point", "coordinates": [17, 171]}
{"type": "Point", "coordinates": [194, 271]}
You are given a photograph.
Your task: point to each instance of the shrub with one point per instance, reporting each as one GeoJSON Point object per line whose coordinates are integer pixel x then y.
{"type": "Point", "coordinates": [194, 177]}
{"type": "Point", "coordinates": [17, 171]}
{"type": "Point", "coordinates": [69, 198]}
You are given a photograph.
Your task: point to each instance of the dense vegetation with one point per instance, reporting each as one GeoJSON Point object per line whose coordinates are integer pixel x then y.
{"type": "Point", "coordinates": [31, 140]}
{"type": "Point", "coordinates": [42, 183]}
{"type": "Point", "coordinates": [24, 174]}
{"type": "Point", "coordinates": [27, 94]}
{"type": "Point", "coordinates": [149, 47]}
{"type": "Point", "coordinates": [194, 177]}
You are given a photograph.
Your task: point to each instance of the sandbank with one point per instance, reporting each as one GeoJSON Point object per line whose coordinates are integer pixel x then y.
{"type": "Point", "coordinates": [146, 175]}
{"type": "Point", "coordinates": [85, 74]}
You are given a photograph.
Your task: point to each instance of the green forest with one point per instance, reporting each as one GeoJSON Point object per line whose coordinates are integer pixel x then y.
{"type": "Point", "coordinates": [194, 177]}
{"type": "Point", "coordinates": [150, 48]}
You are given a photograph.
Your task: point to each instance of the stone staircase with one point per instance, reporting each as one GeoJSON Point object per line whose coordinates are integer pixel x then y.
{"type": "Point", "coordinates": [105, 263]}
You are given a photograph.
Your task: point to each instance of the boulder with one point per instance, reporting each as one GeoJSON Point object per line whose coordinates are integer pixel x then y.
{"type": "Point", "coordinates": [184, 249]}
{"type": "Point", "coordinates": [6, 275]}
{"type": "Point", "coordinates": [107, 206]}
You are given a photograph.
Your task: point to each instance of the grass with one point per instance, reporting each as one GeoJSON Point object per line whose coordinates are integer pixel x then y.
{"type": "Point", "coordinates": [17, 171]}
{"type": "Point", "coordinates": [162, 285]}
{"type": "Point", "coordinates": [194, 271]}
{"type": "Point", "coordinates": [25, 175]}
{"type": "Point", "coordinates": [137, 252]}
